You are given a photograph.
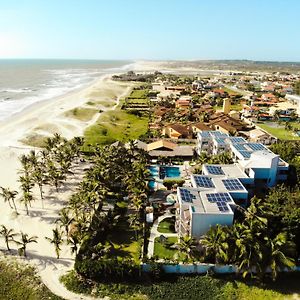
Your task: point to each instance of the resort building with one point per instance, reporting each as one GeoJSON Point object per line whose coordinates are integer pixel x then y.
{"type": "Point", "coordinates": [198, 210]}
{"type": "Point", "coordinates": [254, 159]}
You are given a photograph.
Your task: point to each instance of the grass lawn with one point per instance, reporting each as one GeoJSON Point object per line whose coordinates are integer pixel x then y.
{"type": "Point", "coordinates": [80, 113]}
{"type": "Point", "coordinates": [124, 240]}
{"type": "Point", "coordinates": [116, 125]}
{"type": "Point", "coordinates": [163, 251]}
{"type": "Point", "coordinates": [19, 282]}
{"type": "Point", "coordinates": [138, 94]}
{"type": "Point", "coordinates": [138, 101]}
{"type": "Point", "coordinates": [279, 132]}
{"type": "Point", "coordinates": [167, 225]}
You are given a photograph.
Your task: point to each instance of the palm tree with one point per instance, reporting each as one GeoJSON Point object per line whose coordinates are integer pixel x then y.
{"type": "Point", "coordinates": [215, 243]}
{"type": "Point", "coordinates": [73, 240]}
{"type": "Point", "coordinates": [65, 220]}
{"type": "Point", "coordinates": [40, 178]}
{"type": "Point", "coordinates": [26, 199]}
{"type": "Point", "coordinates": [279, 249]}
{"type": "Point", "coordinates": [9, 195]}
{"type": "Point", "coordinates": [187, 246]}
{"type": "Point", "coordinates": [25, 240]}
{"type": "Point", "coordinates": [56, 240]}
{"type": "Point", "coordinates": [8, 235]}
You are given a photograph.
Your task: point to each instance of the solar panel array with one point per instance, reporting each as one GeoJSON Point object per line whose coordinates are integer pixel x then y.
{"type": "Point", "coordinates": [237, 140]}
{"type": "Point", "coordinates": [239, 147]}
{"type": "Point", "coordinates": [216, 170]}
{"type": "Point", "coordinates": [232, 184]}
{"type": "Point", "coordinates": [204, 181]}
{"type": "Point", "coordinates": [246, 154]}
{"type": "Point", "coordinates": [220, 199]}
{"type": "Point", "coordinates": [186, 195]}
{"type": "Point", "coordinates": [256, 146]}
{"type": "Point", "coordinates": [219, 134]}
{"type": "Point", "coordinates": [205, 134]}
{"type": "Point", "coordinates": [220, 140]}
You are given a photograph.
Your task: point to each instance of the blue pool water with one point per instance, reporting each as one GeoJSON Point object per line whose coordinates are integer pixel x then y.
{"type": "Point", "coordinates": [151, 184]}
{"type": "Point", "coordinates": [153, 170]}
{"type": "Point", "coordinates": [164, 171]}
{"type": "Point", "coordinates": [172, 172]}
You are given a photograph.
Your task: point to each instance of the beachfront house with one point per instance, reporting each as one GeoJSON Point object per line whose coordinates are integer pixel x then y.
{"type": "Point", "coordinates": [198, 210]}
{"type": "Point", "coordinates": [254, 159]}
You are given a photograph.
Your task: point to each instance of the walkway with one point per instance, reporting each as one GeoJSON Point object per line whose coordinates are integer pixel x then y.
{"type": "Point", "coordinates": [155, 233]}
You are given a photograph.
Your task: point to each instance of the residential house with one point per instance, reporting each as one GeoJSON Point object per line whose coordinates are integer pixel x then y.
{"type": "Point", "coordinates": [176, 131]}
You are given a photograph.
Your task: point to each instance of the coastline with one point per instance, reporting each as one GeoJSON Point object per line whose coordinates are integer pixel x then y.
{"type": "Point", "coordinates": [50, 115]}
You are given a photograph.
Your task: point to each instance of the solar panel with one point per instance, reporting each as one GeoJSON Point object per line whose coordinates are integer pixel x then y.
{"type": "Point", "coordinates": [232, 184]}
{"type": "Point", "coordinates": [204, 181]}
{"type": "Point", "coordinates": [256, 146]}
{"type": "Point", "coordinates": [219, 134]}
{"type": "Point", "coordinates": [216, 170]}
{"type": "Point", "coordinates": [186, 195]}
{"type": "Point", "coordinates": [237, 140]}
{"type": "Point", "coordinates": [220, 199]}
{"type": "Point", "coordinates": [205, 134]}
{"type": "Point", "coordinates": [239, 147]}
{"type": "Point", "coordinates": [220, 140]}
{"type": "Point", "coordinates": [245, 154]}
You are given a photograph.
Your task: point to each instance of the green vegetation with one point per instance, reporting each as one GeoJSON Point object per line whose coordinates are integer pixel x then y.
{"type": "Point", "coordinates": [138, 94]}
{"type": "Point", "coordinates": [81, 113]}
{"type": "Point", "coordinates": [116, 125]}
{"type": "Point", "coordinates": [171, 182]}
{"type": "Point", "coordinates": [167, 225]}
{"type": "Point", "coordinates": [124, 242]}
{"type": "Point", "coordinates": [268, 237]}
{"type": "Point", "coordinates": [187, 287]}
{"type": "Point", "coordinates": [165, 249]}
{"type": "Point", "coordinates": [34, 140]}
{"type": "Point", "coordinates": [19, 282]}
{"type": "Point", "coordinates": [230, 91]}
{"type": "Point", "coordinates": [280, 132]}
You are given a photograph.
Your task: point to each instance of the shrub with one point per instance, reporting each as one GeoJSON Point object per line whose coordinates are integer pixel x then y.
{"type": "Point", "coordinates": [169, 183]}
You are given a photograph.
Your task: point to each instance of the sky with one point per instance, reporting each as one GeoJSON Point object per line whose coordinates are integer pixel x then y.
{"type": "Point", "coordinates": [150, 29]}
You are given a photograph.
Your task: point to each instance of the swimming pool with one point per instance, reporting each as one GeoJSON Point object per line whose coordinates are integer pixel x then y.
{"type": "Point", "coordinates": [151, 184]}
{"type": "Point", "coordinates": [172, 172]}
{"type": "Point", "coordinates": [164, 171]}
{"type": "Point", "coordinates": [154, 170]}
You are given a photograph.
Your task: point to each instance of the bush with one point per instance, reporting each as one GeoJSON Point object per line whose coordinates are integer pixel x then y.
{"type": "Point", "coordinates": [169, 183]}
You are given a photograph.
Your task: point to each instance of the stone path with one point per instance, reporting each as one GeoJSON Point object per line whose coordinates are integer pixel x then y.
{"type": "Point", "coordinates": [154, 233]}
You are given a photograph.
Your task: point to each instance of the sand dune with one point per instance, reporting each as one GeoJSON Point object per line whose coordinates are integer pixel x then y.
{"type": "Point", "coordinates": [43, 119]}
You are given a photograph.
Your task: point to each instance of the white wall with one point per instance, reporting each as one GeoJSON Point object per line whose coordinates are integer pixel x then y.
{"type": "Point", "coordinates": [200, 223]}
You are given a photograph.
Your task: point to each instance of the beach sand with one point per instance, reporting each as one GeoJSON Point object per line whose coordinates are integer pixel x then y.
{"type": "Point", "coordinates": [45, 118]}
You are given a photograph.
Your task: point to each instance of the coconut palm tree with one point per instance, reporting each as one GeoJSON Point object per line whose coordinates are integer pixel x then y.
{"type": "Point", "coordinates": [65, 220]}
{"type": "Point", "coordinates": [26, 199]}
{"type": "Point", "coordinates": [56, 240]}
{"type": "Point", "coordinates": [278, 255]}
{"type": "Point", "coordinates": [215, 243]}
{"type": "Point", "coordinates": [8, 235]}
{"type": "Point", "coordinates": [187, 246]}
{"type": "Point", "coordinates": [39, 177]}
{"type": "Point", "coordinates": [73, 240]}
{"type": "Point", "coordinates": [25, 240]}
{"type": "Point", "coordinates": [9, 195]}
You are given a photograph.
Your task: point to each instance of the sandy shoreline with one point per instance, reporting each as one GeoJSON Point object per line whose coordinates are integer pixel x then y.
{"type": "Point", "coordinates": [45, 118]}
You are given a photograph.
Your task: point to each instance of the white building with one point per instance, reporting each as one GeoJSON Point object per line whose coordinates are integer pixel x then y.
{"type": "Point", "coordinates": [254, 159]}
{"type": "Point", "coordinates": [200, 209]}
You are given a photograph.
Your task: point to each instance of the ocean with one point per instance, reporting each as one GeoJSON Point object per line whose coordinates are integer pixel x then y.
{"type": "Point", "coordinates": [27, 81]}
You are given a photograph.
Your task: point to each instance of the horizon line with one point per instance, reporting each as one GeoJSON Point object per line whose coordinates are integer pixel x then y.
{"type": "Point", "coordinates": [150, 60]}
